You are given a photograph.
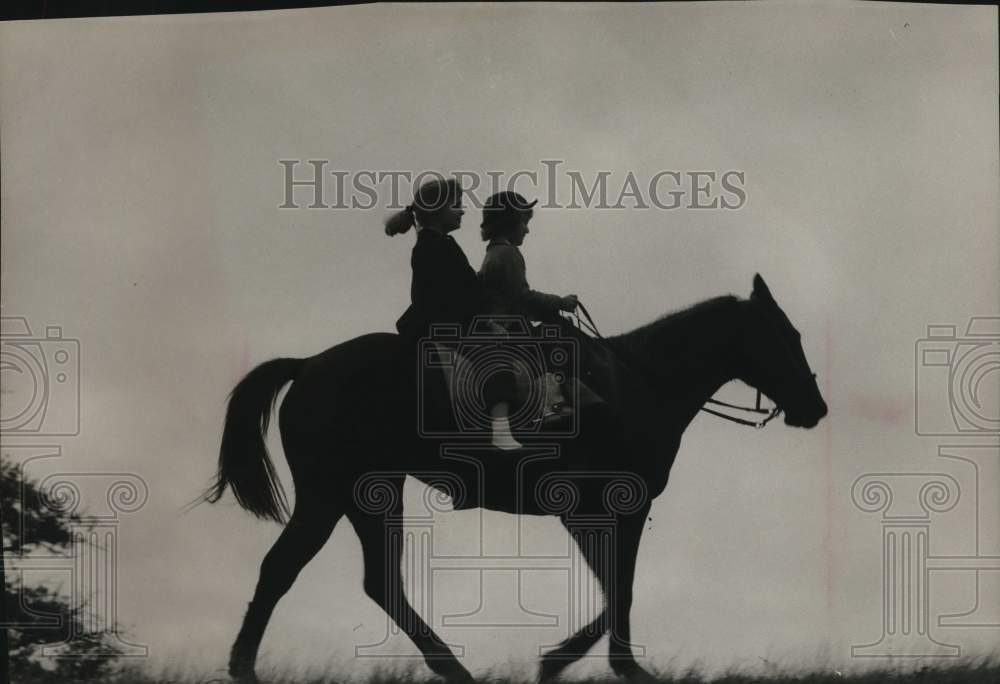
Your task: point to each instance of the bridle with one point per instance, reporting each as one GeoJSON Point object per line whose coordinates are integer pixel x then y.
{"type": "Point", "coordinates": [769, 414]}
{"type": "Point", "coordinates": [585, 322]}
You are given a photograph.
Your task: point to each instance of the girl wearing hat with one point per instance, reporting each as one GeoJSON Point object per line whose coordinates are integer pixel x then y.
{"type": "Point", "coordinates": [505, 224]}
{"type": "Point", "coordinates": [503, 274]}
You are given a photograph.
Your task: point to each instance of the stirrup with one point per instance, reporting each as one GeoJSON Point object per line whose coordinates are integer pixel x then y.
{"type": "Point", "coordinates": [555, 413]}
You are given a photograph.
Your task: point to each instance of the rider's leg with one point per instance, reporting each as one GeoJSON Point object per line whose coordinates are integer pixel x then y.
{"type": "Point", "coordinates": [500, 420]}
{"type": "Point", "coordinates": [499, 390]}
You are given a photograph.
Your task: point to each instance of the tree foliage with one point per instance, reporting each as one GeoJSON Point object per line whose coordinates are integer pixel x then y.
{"type": "Point", "coordinates": [40, 616]}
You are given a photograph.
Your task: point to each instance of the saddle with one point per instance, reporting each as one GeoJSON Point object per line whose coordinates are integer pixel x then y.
{"type": "Point", "coordinates": [550, 392]}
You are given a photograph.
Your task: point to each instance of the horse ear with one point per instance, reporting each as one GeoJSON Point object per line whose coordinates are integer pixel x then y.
{"type": "Point", "coordinates": [760, 289]}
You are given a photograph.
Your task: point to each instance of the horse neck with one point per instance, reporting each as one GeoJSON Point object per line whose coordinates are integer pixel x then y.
{"type": "Point", "coordinates": [688, 356]}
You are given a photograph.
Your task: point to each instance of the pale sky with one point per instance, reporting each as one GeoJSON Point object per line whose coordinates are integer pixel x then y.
{"type": "Point", "coordinates": [140, 193]}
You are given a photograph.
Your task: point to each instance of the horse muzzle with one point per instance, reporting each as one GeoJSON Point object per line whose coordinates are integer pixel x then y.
{"type": "Point", "coordinates": [806, 419]}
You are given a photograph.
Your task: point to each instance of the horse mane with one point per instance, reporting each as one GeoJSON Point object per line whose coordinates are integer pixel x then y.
{"type": "Point", "coordinates": [690, 318]}
{"type": "Point", "coordinates": [665, 345]}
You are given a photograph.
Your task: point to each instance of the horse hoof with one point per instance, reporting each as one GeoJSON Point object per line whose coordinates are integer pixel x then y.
{"type": "Point", "coordinates": [634, 673]}
{"type": "Point", "coordinates": [246, 678]}
{"type": "Point", "coordinates": [550, 670]}
{"type": "Point", "coordinates": [243, 673]}
{"type": "Point", "coordinates": [456, 675]}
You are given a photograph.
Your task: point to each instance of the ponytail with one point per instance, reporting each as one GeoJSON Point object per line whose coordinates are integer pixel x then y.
{"type": "Point", "coordinates": [430, 198]}
{"type": "Point", "coordinates": [400, 222]}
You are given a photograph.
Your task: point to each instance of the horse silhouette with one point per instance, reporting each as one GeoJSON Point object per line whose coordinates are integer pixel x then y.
{"type": "Point", "coordinates": [349, 435]}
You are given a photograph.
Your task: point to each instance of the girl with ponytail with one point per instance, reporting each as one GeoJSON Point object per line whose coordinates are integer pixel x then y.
{"type": "Point", "coordinates": [445, 288]}
{"type": "Point", "coordinates": [400, 222]}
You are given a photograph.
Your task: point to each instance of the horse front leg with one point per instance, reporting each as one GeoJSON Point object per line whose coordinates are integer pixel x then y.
{"type": "Point", "coordinates": [572, 648]}
{"type": "Point", "coordinates": [619, 597]}
{"type": "Point", "coordinates": [595, 548]}
{"type": "Point", "coordinates": [382, 547]}
{"type": "Point", "coordinates": [611, 557]}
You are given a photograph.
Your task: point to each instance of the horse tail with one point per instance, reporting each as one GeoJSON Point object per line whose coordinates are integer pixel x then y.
{"type": "Point", "coordinates": [244, 464]}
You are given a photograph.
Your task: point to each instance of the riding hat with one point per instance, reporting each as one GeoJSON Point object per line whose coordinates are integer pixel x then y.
{"type": "Point", "coordinates": [504, 205]}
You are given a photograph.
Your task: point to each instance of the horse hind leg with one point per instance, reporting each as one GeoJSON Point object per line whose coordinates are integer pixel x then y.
{"type": "Point", "coordinates": [308, 529]}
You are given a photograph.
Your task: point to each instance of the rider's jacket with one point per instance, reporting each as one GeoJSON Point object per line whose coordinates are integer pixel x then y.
{"type": "Point", "coordinates": [507, 292]}
{"type": "Point", "coordinates": [444, 288]}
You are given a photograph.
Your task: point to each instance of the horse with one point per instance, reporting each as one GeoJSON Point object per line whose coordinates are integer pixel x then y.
{"type": "Point", "coordinates": [350, 439]}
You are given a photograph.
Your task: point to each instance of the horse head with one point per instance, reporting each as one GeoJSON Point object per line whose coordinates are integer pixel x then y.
{"type": "Point", "coordinates": [774, 361]}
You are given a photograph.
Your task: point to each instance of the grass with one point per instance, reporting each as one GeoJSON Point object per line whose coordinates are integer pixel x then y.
{"type": "Point", "coordinates": [984, 671]}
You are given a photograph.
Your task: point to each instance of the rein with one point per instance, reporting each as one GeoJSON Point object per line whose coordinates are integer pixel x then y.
{"type": "Point", "coordinates": [586, 322]}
